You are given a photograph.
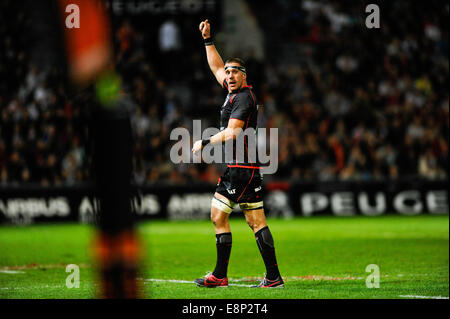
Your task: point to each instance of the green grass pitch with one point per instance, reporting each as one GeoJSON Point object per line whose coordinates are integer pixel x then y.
{"type": "Point", "coordinates": [320, 257]}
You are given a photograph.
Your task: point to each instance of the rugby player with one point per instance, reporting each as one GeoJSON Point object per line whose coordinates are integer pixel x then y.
{"type": "Point", "coordinates": [241, 183]}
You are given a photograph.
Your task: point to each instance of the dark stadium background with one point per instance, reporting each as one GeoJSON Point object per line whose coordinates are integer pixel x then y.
{"type": "Point", "coordinates": [360, 112]}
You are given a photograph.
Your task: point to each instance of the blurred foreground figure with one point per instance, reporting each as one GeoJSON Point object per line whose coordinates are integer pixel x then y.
{"type": "Point", "coordinates": [89, 60]}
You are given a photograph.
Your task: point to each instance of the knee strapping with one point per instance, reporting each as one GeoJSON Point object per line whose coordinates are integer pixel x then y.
{"type": "Point", "coordinates": [223, 205]}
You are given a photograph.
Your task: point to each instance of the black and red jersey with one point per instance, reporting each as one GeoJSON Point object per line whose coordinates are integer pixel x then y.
{"type": "Point", "coordinates": [241, 105]}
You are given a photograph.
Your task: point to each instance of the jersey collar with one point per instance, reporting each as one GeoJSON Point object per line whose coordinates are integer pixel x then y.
{"type": "Point", "coordinates": [242, 87]}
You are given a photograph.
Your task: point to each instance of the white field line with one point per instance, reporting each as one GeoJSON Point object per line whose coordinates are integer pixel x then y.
{"type": "Point", "coordinates": [188, 282]}
{"type": "Point", "coordinates": [32, 287]}
{"type": "Point", "coordinates": [302, 278]}
{"type": "Point", "coordinates": [258, 279]}
{"type": "Point", "coordinates": [39, 266]}
{"type": "Point", "coordinates": [423, 297]}
{"type": "Point", "coordinates": [11, 272]}
{"type": "Point", "coordinates": [22, 269]}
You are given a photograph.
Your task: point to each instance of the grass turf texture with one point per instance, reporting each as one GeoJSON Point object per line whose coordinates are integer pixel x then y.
{"type": "Point", "coordinates": [321, 257]}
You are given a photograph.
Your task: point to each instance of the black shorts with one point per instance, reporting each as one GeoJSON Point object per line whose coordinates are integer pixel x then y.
{"type": "Point", "coordinates": [241, 185]}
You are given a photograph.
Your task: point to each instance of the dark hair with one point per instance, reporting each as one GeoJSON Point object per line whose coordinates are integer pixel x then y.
{"type": "Point", "coordinates": [236, 60]}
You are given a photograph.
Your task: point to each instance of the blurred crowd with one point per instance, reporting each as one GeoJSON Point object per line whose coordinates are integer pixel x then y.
{"type": "Point", "coordinates": [350, 103]}
{"type": "Point", "coordinates": [363, 103]}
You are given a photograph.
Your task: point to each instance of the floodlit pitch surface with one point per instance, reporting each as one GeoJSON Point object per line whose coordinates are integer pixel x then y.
{"type": "Point", "coordinates": [320, 257]}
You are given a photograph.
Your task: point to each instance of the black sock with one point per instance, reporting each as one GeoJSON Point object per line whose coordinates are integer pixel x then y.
{"type": "Point", "coordinates": [266, 246]}
{"type": "Point", "coordinates": [223, 244]}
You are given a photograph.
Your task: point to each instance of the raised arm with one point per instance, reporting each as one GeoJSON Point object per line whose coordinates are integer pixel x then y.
{"type": "Point", "coordinates": [214, 60]}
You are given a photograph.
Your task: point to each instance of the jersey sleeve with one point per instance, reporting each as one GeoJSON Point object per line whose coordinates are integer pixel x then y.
{"type": "Point", "coordinates": [242, 106]}
{"type": "Point", "coordinates": [225, 84]}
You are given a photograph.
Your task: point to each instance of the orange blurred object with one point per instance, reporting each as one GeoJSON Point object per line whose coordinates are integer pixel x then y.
{"type": "Point", "coordinates": [88, 48]}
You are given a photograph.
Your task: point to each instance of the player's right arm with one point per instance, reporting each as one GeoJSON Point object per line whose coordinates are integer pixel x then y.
{"type": "Point", "coordinates": [215, 62]}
